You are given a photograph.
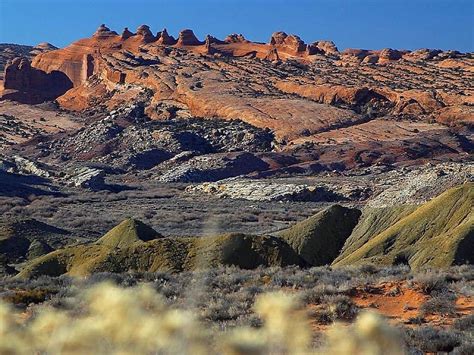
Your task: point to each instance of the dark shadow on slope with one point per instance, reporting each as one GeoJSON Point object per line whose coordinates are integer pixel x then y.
{"type": "Point", "coordinates": [15, 185]}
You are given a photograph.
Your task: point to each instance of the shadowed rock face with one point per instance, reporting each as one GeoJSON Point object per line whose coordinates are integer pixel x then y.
{"type": "Point", "coordinates": [319, 239]}
{"type": "Point", "coordinates": [165, 39]}
{"type": "Point", "coordinates": [26, 84]}
{"type": "Point", "coordinates": [9, 51]}
{"type": "Point", "coordinates": [25, 239]}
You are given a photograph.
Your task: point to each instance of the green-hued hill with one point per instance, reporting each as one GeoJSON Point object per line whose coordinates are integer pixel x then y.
{"type": "Point", "coordinates": [438, 233]}
{"type": "Point", "coordinates": [372, 222]}
{"type": "Point", "coordinates": [319, 239]}
{"type": "Point", "coordinates": [127, 233]}
{"type": "Point", "coordinates": [130, 252]}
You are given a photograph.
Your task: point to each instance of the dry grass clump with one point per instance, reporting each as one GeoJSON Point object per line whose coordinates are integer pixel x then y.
{"type": "Point", "coordinates": [337, 307]}
{"type": "Point", "coordinates": [369, 335]}
{"type": "Point", "coordinates": [108, 319]}
{"type": "Point", "coordinates": [444, 304]}
{"type": "Point", "coordinates": [430, 282]}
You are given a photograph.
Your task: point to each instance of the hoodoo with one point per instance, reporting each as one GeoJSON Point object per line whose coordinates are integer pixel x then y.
{"type": "Point", "coordinates": [145, 32]}
{"type": "Point", "coordinates": [165, 39]}
{"type": "Point", "coordinates": [187, 38]}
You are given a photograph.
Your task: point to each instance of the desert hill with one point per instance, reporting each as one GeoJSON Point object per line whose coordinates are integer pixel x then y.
{"type": "Point", "coordinates": [171, 254]}
{"type": "Point", "coordinates": [438, 233]}
{"type": "Point", "coordinates": [319, 238]}
{"type": "Point", "coordinates": [127, 233]}
{"type": "Point", "coordinates": [23, 239]}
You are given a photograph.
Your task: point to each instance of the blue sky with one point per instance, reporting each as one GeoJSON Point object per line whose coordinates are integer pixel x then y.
{"type": "Point", "coordinates": [373, 24]}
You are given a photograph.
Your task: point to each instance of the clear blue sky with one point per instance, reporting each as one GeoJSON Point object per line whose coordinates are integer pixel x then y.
{"type": "Point", "coordinates": [373, 24]}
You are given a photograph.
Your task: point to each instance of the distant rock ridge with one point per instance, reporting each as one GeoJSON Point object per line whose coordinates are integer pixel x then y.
{"type": "Point", "coordinates": [204, 80]}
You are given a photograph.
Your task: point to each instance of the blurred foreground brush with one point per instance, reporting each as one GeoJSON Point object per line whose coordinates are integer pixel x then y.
{"type": "Point", "coordinates": [108, 319]}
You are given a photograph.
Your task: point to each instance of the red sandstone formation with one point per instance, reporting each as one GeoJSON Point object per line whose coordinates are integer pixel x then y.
{"type": "Point", "coordinates": [187, 38]}
{"type": "Point", "coordinates": [127, 33]}
{"type": "Point", "coordinates": [326, 47]}
{"type": "Point", "coordinates": [165, 39]}
{"type": "Point", "coordinates": [298, 90]}
{"type": "Point", "coordinates": [27, 84]}
{"type": "Point", "coordinates": [144, 31]}
{"type": "Point", "coordinates": [235, 38]}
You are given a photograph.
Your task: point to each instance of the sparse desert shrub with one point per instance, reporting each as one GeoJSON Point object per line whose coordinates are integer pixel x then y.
{"type": "Point", "coordinates": [337, 307]}
{"type": "Point", "coordinates": [368, 269]}
{"type": "Point", "coordinates": [464, 349]}
{"type": "Point", "coordinates": [316, 294]}
{"type": "Point", "coordinates": [368, 335]}
{"type": "Point", "coordinates": [25, 297]}
{"type": "Point", "coordinates": [100, 277]}
{"type": "Point", "coordinates": [416, 320]}
{"type": "Point", "coordinates": [444, 304]}
{"type": "Point", "coordinates": [464, 323]}
{"type": "Point", "coordinates": [222, 310]}
{"type": "Point", "coordinates": [430, 282]}
{"type": "Point", "coordinates": [430, 339]}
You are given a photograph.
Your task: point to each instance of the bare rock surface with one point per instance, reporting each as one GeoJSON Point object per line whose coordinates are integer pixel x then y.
{"type": "Point", "coordinates": [420, 184]}
{"type": "Point", "coordinates": [265, 191]}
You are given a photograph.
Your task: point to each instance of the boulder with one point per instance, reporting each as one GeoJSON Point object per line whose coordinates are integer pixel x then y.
{"type": "Point", "coordinates": [235, 38]}
{"type": "Point", "coordinates": [371, 59]}
{"type": "Point", "coordinates": [287, 43]}
{"type": "Point", "coordinates": [389, 54]}
{"type": "Point", "coordinates": [326, 47]}
{"type": "Point", "coordinates": [91, 178]}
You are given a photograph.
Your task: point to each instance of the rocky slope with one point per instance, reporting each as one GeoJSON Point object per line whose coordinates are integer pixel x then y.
{"type": "Point", "coordinates": [314, 107]}
{"type": "Point", "coordinates": [201, 108]}
{"type": "Point", "coordinates": [168, 128]}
